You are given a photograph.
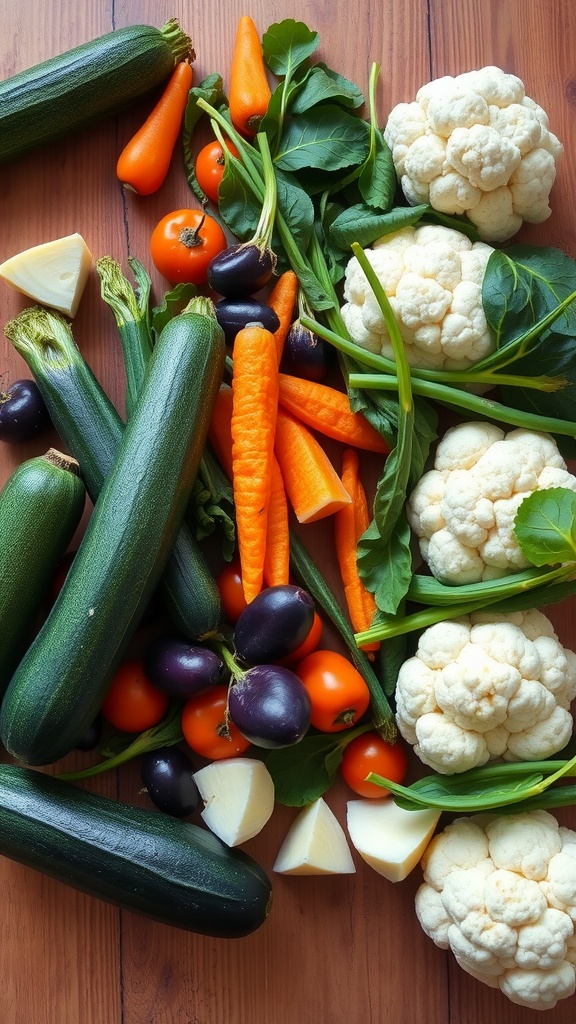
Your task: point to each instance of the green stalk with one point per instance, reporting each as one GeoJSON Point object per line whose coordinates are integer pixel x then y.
{"type": "Point", "coordinates": [430, 591]}
{"type": "Point", "coordinates": [131, 318]}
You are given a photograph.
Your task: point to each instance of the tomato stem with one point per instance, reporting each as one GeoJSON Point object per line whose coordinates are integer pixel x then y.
{"type": "Point", "coordinates": [190, 237]}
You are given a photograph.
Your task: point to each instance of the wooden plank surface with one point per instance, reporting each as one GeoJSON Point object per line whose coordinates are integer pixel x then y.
{"type": "Point", "coordinates": [335, 949]}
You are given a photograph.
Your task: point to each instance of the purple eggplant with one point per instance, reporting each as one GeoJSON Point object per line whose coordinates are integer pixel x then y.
{"type": "Point", "coordinates": [270, 706]}
{"type": "Point", "coordinates": [168, 775]}
{"type": "Point", "coordinates": [180, 668]}
{"type": "Point", "coordinates": [234, 314]}
{"type": "Point", "coordinates": [241, 270]}
{"type": "Point", "coordinates": [306, 355]}
{"type": "Point", "coordinates": [23, 414]}
{"type": "Point", "coordinates": [274, 624]}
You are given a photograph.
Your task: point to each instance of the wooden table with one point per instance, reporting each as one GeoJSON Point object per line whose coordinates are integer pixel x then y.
{"type": "Point", "coordinates": [343, 949]}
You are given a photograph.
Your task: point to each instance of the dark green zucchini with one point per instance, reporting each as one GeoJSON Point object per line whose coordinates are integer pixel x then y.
{"type": "Point", "coordinates": [59, 685]}
{"type": "Point", "coordinates": [92, 431]}
{"type": "Point", "coordinates": [41, 505]}
{"type": "Point", "coordinates": [82, 85]}
{"type": "Point", "coordinates": [139, 859]}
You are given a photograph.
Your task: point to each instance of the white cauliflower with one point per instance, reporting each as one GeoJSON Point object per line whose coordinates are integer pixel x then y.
{"type": "Point", "coordinates": [433, 277]}
{"type": "Point", "coordinates": [499, 892]}
{"type": "Point", "coordinates": [463, 509]}
{"type": "Point", "coordinates": [487, 686]}
{"type": "Point", "coordinates": [476, 145]}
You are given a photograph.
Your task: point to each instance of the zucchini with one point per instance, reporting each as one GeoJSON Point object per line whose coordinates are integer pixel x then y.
{"type": "Point", "coordinates": [139, 859]}
{"type": "Point", "coordinates": [41, 505]}
{"type": "Point", "coordinates": [92, 430]}
{"type": "Point", "coordinates": [82, 85]}
{"type": "Point", "coordinates": [62, 679]}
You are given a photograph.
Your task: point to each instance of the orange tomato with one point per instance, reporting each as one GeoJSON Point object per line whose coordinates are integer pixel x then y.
{"type": "Point", "coordinates": [308, 645]}
{"type": "Point", "coordinates": [338, 694]}
{"type": "Point", "coordinates": [209, 167]}
{"type": "Point", "coordinates": [183, 243]}
{"type": "Point", "coordinates": [370, 753]}
{"type": "Point", "coordinates": [206, 728]}
{"type": "Point", "coordinates": [132, 702]}
{"type": "Point", "coordinates": [229, 583]}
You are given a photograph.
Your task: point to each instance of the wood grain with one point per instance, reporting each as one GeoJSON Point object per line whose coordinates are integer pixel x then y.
{"type": "Point", "coordinates": [335, 949]}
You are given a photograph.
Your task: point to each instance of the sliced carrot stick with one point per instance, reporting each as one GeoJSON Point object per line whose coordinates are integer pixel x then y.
{"type": "Point", "coordinates": [282, 300]}
{"type": "Point", "coordinates": [145, 160]}
{"type": "Point", "coordinates": [312, 484]}
{"type": "Point", "coordinates": [277, 556]}
{"type": "Point", "coordinates": [253, 424]}
{"type": "Point", "coordinates": [220, 429]}
{"type": "Point", "coordinates": [327, 410]}
{"type": "Point", "coordinates": [248, 92]}
{"type": "Point", "coordinates": [349, 525]}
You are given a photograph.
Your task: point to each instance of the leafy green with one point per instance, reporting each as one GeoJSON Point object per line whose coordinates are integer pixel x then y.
{"type": "Point", "coordinates": [173, 302]}
{"type": "Point", "coordinates": [524, 283]}
{"type": "Point", "coordinates": [322, 85]}
{"type": "Point", "coordinates": [326, 138]}
{"type": "Point", "coordinates": [304, 772]}
{"type": "Point", "coordinates": [361, 224]}
{"type": "Point", "coordinates": [377, 179]}
{"type": "Point", "coordinates": [545, 526]}
{"type": "Point", "coordinates": [286, 45]}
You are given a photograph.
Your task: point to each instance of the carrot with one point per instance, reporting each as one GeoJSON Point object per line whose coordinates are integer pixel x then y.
{"type": "Point", "coordinates": [312, 484]}
{"type": "Point", "coordinates": [143, 163]}
{"type": "Point", "coordinates": [282, 300]}
{"type": "Point", "coordinates": [349, 525]}
{"type": "Point", "coordinates": [327, 410]}
{"type": "Point", "coordinates": [249, 92]}
{"type": "Point", "coordinates": [253, 424]}
{"type": "Point", "coordinates": [220, 429]}
{"type": "Point", "coordinates": [277, 556]}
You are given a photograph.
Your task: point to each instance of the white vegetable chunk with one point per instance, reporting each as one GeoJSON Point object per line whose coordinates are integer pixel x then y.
{"type": "Point", "coordinates": [315, 844]}
{"type": "Point", "coordinates": [54, 274]}
{"type": "Point", "coordinates": [238, 795]}
{"type": "Point", "coordinates": [390, 839]}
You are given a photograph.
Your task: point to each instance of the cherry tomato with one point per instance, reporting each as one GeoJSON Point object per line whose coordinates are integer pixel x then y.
{"type": "Point", "coordinates": [338, 693]}
{"type": "Point", "coordinates": [205, 728]}
{"type": "Point", "coordinates": [370, 753]}
{"type": "Point", "coordinates": [132, 703]}
{"type": "Point", "coordinates": [183, 243]}
{"type": "Point", "coordinates": [229, 583]}
{"type": "Point", "coordinates": [209, 167]}
{"type": "Point", "coordinates": [308, 645]}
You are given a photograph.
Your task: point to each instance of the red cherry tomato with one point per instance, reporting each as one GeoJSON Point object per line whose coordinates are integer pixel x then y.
{"type": "Point", "coordinates": [338, 694]}
{"type": "Point", "coordinates": [133, 703]}
{"type": "Point", "coordinates": [229, 583]}
{"type": "Point", "coordinates": [183, 243]}
{"type": "Point", "coordinates": [209, 167]}
{"type": "Point", "coordinates": [206, 729]}
{"type": "Point", "coordinates": [308, 645]}
{"type": "Point", "coordinates": [370, 753]}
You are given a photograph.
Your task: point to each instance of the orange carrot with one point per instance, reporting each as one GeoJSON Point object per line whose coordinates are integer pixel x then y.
{"type": "Point", "coordinates": [327, 410]}
{"type": "Point", "coordinates": [143, 163]}
{"type": "Point", "coordinates": [349, 525]}
{"type": "Point", "coordinates": [249, 92]}
{"type": "Point", "coordinates": [312, 484]}
{"type": "Point", "coordinates": [282, 300]}
{"type": "Point", "coordinates": [254, 411]}
{"type": "Point", "coordinates": [277, 556]}
{"type": "Point", "coordinates": [220, 429]}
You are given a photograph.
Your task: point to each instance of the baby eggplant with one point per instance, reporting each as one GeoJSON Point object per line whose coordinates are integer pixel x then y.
{"type": "Point", "coordinates": [168, 775]}
{"type": "Point", "coordinates": [180, 668]}
{"type": "Point", "coordinates": [306, 355]}
{"type": "Point", "coordinates": [270, 706]}
{"type": "Point", "coordinates": [241, 270]}
{"type": "Point", "coordinates": [274, 624]}
{"type": "Point", "coordinates": [23, 413]}
{"type": "Point", "coordinates": [234, 314]}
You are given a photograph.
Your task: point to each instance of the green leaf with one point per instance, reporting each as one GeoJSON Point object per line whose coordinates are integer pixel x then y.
{"type": "Point", "coordinates": [545, 526]}
{"type": "Point", "coordinates": [386, 569]}
{"type": "Point", "coordinates": [327, 138]}
{"type": "Point", "coordinates": [524, 283]}
{"type": "Point", "coordinates": [303, 772]}
{"type": "Point", "coordinates": [239, 208]}
{"type": "Point", "coordinates": [377, 181]}
{"type": "Point", "coordinates": [173, 302]}
{"type": "Point", "coordinates": [287, 44]}
{"type": "Point", "coordinates": [361, 224]}
{"type": "Point", "coordinates": [296, 208]}
{"type": "Point", "coordinates": [324, 86]}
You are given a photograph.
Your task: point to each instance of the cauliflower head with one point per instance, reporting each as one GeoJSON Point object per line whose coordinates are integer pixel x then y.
{"type": "Point", "coordinates": [463, 510]}
{"type": "Point", "coordinates": [500, 893]}
{"type": "Point", "coordinates": [476, 145]}
{"type": "Point", "coordinates": [484, 687]}
{"type": "Point", "coordinates": [433, 277]}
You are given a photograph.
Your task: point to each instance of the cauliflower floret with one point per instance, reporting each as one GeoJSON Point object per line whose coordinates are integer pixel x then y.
{"type": "Point", "coordinates": [464, 514]}
{"type": "Point", "coordinates": [476, 689]}
{"type": "Point", "coordinates": [433, 277]}
{"type": "Point", "coordinates": [462, 145]}
{"type": "Point", "coordinates": [496, 892]}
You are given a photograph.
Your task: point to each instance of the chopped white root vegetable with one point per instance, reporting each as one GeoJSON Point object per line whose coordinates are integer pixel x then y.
{"type": "Point", "coordinates": [390, 839]}
{"type": "Point", "coordinates": [238, 795]}
{"type": "Point", "coordinates": [54, 274]}
{"type": "Point", "coordinates": [315, 844]}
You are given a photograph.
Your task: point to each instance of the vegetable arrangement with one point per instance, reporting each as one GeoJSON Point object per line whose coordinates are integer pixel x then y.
{"type": "Point", "coordinates": [340, 327]}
